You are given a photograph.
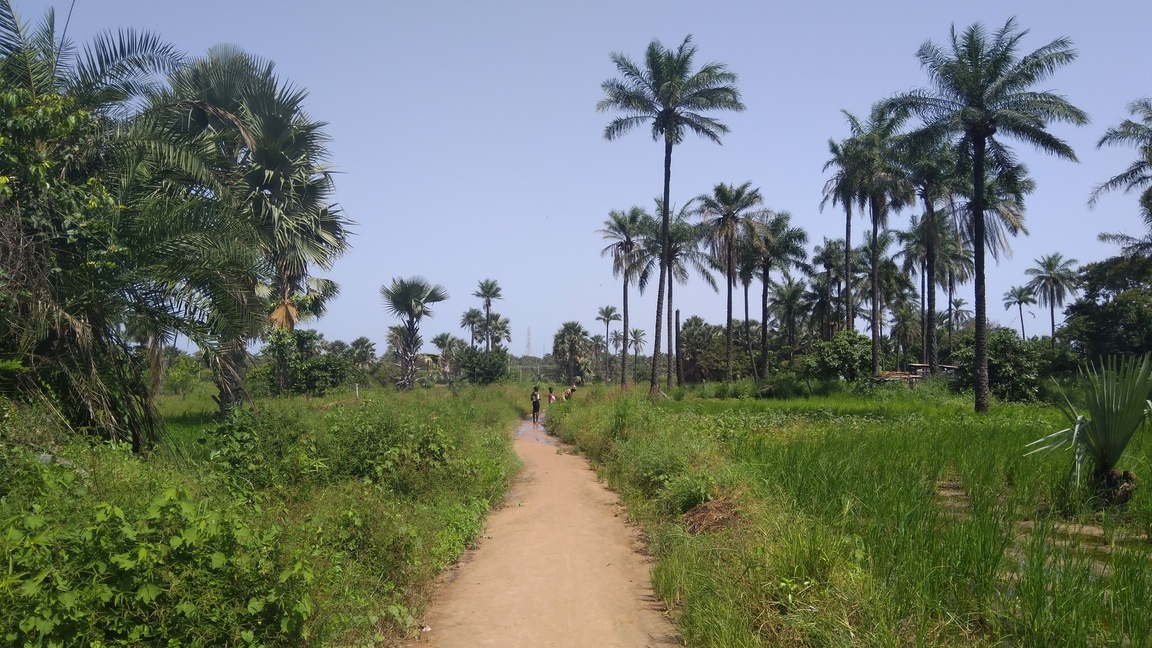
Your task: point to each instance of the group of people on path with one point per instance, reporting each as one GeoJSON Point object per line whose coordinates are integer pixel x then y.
{"type": "Point", "coordinates": [551, 399]}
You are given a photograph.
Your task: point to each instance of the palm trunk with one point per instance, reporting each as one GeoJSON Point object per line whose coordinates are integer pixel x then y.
{"type": "Point", "coordinates": [679, 356]}
{"type": "Point", "coordinates": [670, 329]}
{"type": "Point", "coordinates": [748, 334]}
{"type": "Point", "coordinates": [766, 269]}
{"type": "Point", "coordinates": [625, 333]}
{"type": "Point", "coordinates": [923, 316]}
{"type": "Point", "coordinates": [981, 368]}
{"type": "Point", "coordinates": [1020, 305]}
{"type": "Point", "coordinates": [875, 258]}
{"type": "Point", "coordinates": [654, 386]}
{"type": "Point", "coordinates": [1052, 307]}
{"type": "Point", "coordinates": [930, 346]}
{"type": "Point", "coordinates": [607, 355]}
{"type": "Point", "coordinates": [731, 279]}
{"type": "Point", "coordinates": [849, 319]}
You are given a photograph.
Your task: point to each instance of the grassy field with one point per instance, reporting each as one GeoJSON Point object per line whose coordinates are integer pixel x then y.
{"type": "Point", "coordinates": [301, 522]}
{"type": "Point", "coordinates": [895, 518]}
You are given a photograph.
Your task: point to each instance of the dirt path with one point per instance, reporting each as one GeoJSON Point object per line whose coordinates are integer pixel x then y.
{"type": "Point", "coordinates": [557, 566]}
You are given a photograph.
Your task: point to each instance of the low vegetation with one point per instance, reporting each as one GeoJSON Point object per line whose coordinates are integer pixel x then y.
{"type": "Point", "coordinates": [897, 519]}
{"type": "Point", "coordinates": [304, 522]}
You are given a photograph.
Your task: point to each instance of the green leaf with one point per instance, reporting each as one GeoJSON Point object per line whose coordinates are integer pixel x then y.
{"type": "Point", "coordinates": [219, 560]}
{"type": "Point", "coordinates": [148, 593]}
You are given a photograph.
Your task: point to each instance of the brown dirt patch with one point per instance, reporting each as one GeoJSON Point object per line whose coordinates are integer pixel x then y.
{"type": "Point", "coordinates": [710, 516]}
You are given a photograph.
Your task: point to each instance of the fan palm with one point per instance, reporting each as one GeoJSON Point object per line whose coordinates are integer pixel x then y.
{"type": "Point", "coordinates": [488, 291]}
{"type": "Point", "coordinates": [673, 97]}
{"type": "Point", "coordinates": [411, 300]}
{"type": "Point", "coordinates": [981, 88]}
{"type": "Point", "coordinates": [624, 231]}
{"type": "Point", "coordinates": [472, 319]}
{"type": "Point", "coordinates": [1019, 297]}
{"type": "Point", "coordinates": [1053, 279]}
{"type": "Point", "coordinates": [569, 346]}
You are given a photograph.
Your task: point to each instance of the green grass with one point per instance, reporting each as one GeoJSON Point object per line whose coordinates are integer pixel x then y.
{"type": "Point", "coordinates": [899, 517]}
{"type": "Point", "coordinates": [303, 522]}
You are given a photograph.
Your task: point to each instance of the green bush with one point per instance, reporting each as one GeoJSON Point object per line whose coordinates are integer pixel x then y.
{"type": "Point", "coordinates": [1013, 364]}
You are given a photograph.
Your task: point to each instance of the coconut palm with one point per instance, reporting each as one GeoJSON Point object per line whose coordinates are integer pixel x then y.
{"type": "Point", "coordinates": [1019, 297]}
{"type": "Point", "coordinates": [488, 291]}
{"type": "Point", "coordinates": [981, 89]}
{"type": "Point", "coordinates": [726, 214]}
{"type": "Point", "coordinates": [410, 300]}
{"type": "Point", "coordinates": [1053, 279]}
{"type": "Point", "coordinates": [667, 93]}
{"type": "Point", "coordinates": [624, 230]}
{"type": "Point", "coordinates": [607, 315]}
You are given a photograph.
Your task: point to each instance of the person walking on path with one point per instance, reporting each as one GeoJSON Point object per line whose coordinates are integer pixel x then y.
{"type": "Point", "coordinates": [536, 405]}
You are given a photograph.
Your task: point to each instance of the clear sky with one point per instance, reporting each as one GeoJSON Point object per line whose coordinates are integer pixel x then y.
{"type": "Point", "coordinates": [468, 145]}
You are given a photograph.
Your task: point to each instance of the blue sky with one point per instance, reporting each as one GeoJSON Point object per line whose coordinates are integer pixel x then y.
{"type": "Point", "coordinates": [467, 144]}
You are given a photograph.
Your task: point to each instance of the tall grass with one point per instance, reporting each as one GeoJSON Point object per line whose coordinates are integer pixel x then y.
{"type": "Point", "coordinates": [899, 518]}
{"type": "Point", "coordinates": [303, 522]}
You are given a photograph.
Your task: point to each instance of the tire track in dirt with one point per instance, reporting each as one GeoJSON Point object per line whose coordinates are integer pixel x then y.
{"type": "Point", "coordinates": [558, 565]}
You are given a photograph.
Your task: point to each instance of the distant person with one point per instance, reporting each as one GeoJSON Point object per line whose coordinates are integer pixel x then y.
{"type": "Point", "coordinates": [536, 405]}
{"type": "Point", "coordinates": [568, 393]}
{"type": "Point", "coordinates": [551, 396]}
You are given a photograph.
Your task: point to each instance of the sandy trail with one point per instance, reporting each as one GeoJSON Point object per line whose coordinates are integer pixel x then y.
{"type": "Point", "coordinates": [557, 566]}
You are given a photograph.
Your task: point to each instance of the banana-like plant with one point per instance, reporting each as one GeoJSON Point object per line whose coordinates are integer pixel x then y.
{"type": "Point", "coordinates": [1116, 405]}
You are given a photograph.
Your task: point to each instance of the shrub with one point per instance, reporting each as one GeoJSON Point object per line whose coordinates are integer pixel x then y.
{"type": "Point", "coordinates": [1013, 364]}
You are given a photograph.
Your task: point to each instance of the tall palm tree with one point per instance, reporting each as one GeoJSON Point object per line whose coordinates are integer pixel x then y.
{"type": "Point", "coordinates": [488, 291]}
{"type": "Point", "coordinates": [1053, 279]}
{"type": "Point", "coordinates": [1139, 174]}
{"type": "Point", "coordinates": [981, 88]}
{"type": "Point", "coordinates": [624, 230]}
{"type": "Point", "coordinates": [411, 300]}
{"type": "Point", "coordinates": [684, 254]}
{"type": "Point", "coordinates": [828, 256]}
{"type": "Point", "coordinates": [787, 300]}
{"type": "Point", "coordinates": [473, 320]}
{"type": "Point", "coordinates": [777, 245]}
{"type": "Point", "coordinates": [841, 188]}
{"type": "Point", "coordinates": [636, 341]}
{"type": "Point", "coordinates": [932, 169]}
{"type": "Point", "coordinates": [726, 213]}
{"type": "Point", "coordinates": [1019, 297]}
{"type": "Point", "coordinates": [607, 315]}
{"type": "Point", "coordinates": [667, 93]}
{"type": "Point", "coordinates": [879, 184]}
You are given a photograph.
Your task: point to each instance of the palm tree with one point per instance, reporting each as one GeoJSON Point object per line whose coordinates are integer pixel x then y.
{"type": "Point", "coordinates": [473, 320]}
{"type": "Point", "coordinates": [980, 89]}
{"type": "Point", "coordinates": [363, 352]}
{"type": "Point", "coordinates": [1053, 279]}
{"type": "Point", "coordinates": [684, 254]}
{"type": "Point", "coordinates": [498, 329]}
{"type": "Point", "coordinates": [569, 346]}
{"type": "Point", "coordinates": [787, 300]}
{"type": "Point", "coordinates": [777, 246]}
{"type": "Point", "coordinates": [624, 230]}
{"type": "Point", "coordinates": [636, 341]}
{"type": "Point", "coordinates": [667, 93]}
{"type": "Point", "coordinates": [488, 291]}
{"type": "Point", "coordinates": [1019, 297]}
{"type": "Point", "coordinates": [725, 213]}
{"type": "Point", "coordinates": [450, 348]}
{"type": "Point", "coordinates": [841, 188]}
{"type": "Point", "coordinates": [410, 300]}
{"type": "Point", "coordinates": [607, 315]}
{"type": "Point", "coordinates": [1139, 174]}
{"type": "Point", "coordinates": [877, 182]}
